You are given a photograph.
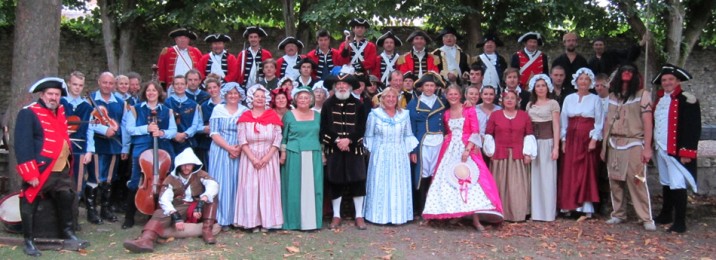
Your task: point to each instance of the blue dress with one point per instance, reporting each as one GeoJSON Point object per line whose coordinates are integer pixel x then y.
{"type": "Point", "coordinates": [390, 141]}
{"type": "Point", "coordinates": [222, 168]}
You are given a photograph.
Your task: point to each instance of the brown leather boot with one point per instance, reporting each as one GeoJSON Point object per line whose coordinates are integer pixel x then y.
{"type": "Point", "coordinates": [145, 243]}
{"type": "Point", "coordinates": [206, 231]}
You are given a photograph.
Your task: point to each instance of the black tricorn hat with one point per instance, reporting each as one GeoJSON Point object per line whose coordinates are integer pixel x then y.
{"type": "Point", "coordinates": [389, 35]}
{"type": "Point", "coordinates": [254, 29]}
{"type": "Point", "coordinates": [490, 37]}
{"type": "Point", "coordinates": [182, 32]}
{"type": "Point", "coordinates": [345, 74]}
{"type": "Point", "coordinates": [359, 22]}
{"type": "Point", "coordinates": [290, 39]}
{"type": "Point", "coordinates": [419, 33]}
{"type": "Point", "coordinates": [49, 82]}
{"type": "Point", "coordinates": [410, 75]}
{"type": "Point", "coordinates": [531, 35]}
{"type": "Point", "coordinates": [218, 37]}
{"type": "Point", "coordinates": [679, 73]}
{"type": "Point", "coordinates": [447, 30]}
{"type": "Point", "coordinates": [430, 76]}
{"type": "Point", "coordinates": [305, 60]}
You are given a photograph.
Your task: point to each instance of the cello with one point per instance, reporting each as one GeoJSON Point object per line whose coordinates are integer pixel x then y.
{"type": "Point", "coordinates": [155, 164]}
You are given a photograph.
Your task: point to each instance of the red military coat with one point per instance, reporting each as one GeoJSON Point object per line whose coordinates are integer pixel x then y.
{"type": "Point", "coordinates": [168, 59]}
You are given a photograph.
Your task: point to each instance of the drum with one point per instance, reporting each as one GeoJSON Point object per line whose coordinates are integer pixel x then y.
{"type": "Point", "coordinates": [45, 227]}
{"type": "Point", "coordinates": [10, 213]}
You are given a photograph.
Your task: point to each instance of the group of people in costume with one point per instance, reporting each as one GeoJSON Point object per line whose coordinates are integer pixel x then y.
{"type": "Point", "coordinates": [260, 144]}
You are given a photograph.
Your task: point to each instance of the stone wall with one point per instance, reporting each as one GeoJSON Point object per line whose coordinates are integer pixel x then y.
{"type": "Point", "coordinates": [88, 56]}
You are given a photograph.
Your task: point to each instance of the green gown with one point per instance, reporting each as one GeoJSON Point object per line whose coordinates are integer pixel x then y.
{"type": "Point", "coordinates": [302, 174]}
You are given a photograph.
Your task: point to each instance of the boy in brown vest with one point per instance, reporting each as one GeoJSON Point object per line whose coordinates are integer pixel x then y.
{"type": "Point", "coordinates": [188, 195]}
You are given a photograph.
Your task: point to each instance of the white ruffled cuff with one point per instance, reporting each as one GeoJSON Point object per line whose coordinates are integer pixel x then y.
{"type": "Point", "coordinates": [488, 145]}
{"type": "Point", "coordinates": [475, 139]}
{"type": "Point", "coordinates": [529, 147]}
{"type": "Point", "coordinates": [596, 135]}
{"type": "Point", "coordinates": [410, 143]}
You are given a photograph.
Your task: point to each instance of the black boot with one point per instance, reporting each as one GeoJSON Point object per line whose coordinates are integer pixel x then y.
{"type": "Point", "coordinates": [63, 202]}
{"type": "Point", "coordinates": [131, 209]}
{"type": "Point", "coordinates": [680, 200]}
{"type": "Point", "coordinates": [667, 210]}
{"type": "Point", "coordinates": [26, 214]}
{"type": "Point", "coordinates": [106, 212]}
{"type": "Point", "coordinates": [76, 213]}
{"type": "Point", "coordinates": [91, 205]}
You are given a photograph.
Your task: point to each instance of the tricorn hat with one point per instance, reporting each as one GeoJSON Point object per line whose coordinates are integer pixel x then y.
{"type": "Point", "coordinates": [254, 29]}
{"type": "Point", "coordinates": [359, 22]}
{"type": "Point", "coordinates": [217, 38]}
{"type": "Point", "coordinates": [490, 37]}
{"type": "Point", "coordinates": [419, 33]}
{"type": "Point", "coordinates": [679, 73]}
{"type": "Point", "coordinates": [49, 82]}
{"type": "Point", "coordinates": [290, 39]}
{"type": "Point", "coordinates": [305, 60]}
{"type": "Point", "coordinates": [182, 32]}
{"type": "Point", "coordinates": [345, 74]}
{"type": "Point", "coordinates": [447, 30]}
{"type": "Point", "coordinates": [410, 75]}
{"type": "Point", "coordinates": [430, 76]}
{"type": "Point", "coordinates": [389, 35]}
{"type": "Point", "coordinates": [531, 35]}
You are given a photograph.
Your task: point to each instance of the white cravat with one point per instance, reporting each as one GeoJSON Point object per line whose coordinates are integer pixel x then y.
{"type": "Point", "coordinates": [216, 63]}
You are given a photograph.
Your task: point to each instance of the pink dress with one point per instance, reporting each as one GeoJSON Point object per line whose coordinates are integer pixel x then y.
{"type": "Point", "coordinates": [258, 196]}
{"type": "Point", "coordinates": [450, 197]}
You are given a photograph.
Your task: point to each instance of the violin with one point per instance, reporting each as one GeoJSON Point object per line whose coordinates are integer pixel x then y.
{"type": "Point", "coordinates": [155, 165]}
{"type": "Point", "coordinates": [101, 115]}
{"type": "Point", "coordinates": [73, 124]}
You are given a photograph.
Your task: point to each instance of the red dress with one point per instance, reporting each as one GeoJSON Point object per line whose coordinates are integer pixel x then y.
{"type": "Point", "coordinates": [577, 179]}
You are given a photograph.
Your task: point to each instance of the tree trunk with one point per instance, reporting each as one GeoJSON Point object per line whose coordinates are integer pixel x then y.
{"type": "Point", "coordinates": [473, 25]}
{"type": "Point", "coordinates": [109, 33]}
{"type": "Point", "coordinates": [699, 17]}
{"type": "Point", "coordinates": [674, 30]}
{"type": "Point", "coordinates": [127, 39]}
{"type": "Point", "coordinates": [289, 17]}
{"type": "Point", "coordinates": [35, 55]}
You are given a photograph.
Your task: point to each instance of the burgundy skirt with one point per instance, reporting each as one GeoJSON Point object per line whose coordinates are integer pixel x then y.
{"type": "Point", "coordinates": [577, 181]}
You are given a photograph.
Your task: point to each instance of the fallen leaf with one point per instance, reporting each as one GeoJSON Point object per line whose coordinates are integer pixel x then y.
{"type": "Point", "coordinates": [293, 249]}
{"type": "Point", "coordinates": [386, 257]}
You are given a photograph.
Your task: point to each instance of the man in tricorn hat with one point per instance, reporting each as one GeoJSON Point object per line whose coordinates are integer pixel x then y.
{"type": "Point", "coordinates": [426, 118]}
{"type": "Point", "coordinates": [386, 60]}
{"type": "Point", "coordinates": [285, 66]}
{"type": "Point", "coordinates": [250, 69]}
{"type": "Point", "coordinates": [359, 52]}
{"type": "Point", "coordinates": [418, 60]}
{"type": "Point", "coordinates": [530, 60]}
{"type": "Point", "coordinates": [492, 63]}
{"type": "Point", "coordinates": [218, 60]}
{"type": "Point", "coordinates": [453, 61]}
{"type": "Point", "coordinates": [677, 130]}
{"type": "Point", "coordinates": [43, 152]}
{"type": "Point", "coordinates": [343, 121]}
{"type": "Point", "coordinates": [178, 59]}
{"type": "Point", "coordinates": [188, 195]}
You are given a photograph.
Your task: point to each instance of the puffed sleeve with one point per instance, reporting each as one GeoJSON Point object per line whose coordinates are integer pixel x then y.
{"type": "Point", "coordinates": [596, 133]}
{"type": "Point", "coordinates": [488, 145]}
{"type": "Point", "coordinates": [368, 138]}
{"type": "Point", "coordinates": [165, 200]}
{"type": "Point", "coordinates": [242, 133]}
{"type": "Point", "coordinates": [474, 127]}
{"type": "Point", "coordinates": [211, 188]}
{"type": "Point", "coordinates": [277, 134]}
{"type": "Point", "coordinates": [564, 119]}
{"type": "Point", "coordinates": [529, 148]}
{"type": "Point", "coordinates": [410, 141]}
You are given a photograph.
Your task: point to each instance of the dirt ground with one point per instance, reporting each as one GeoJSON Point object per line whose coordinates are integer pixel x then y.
{"type": "Point", "coordinates": [561, 239]}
